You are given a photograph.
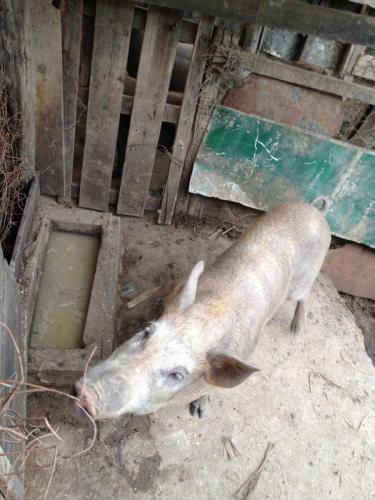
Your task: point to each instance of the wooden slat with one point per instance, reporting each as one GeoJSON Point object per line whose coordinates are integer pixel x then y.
{"type": "Point", "coordinates": [333, 24]}
{"type": "Point", "coordinates": [185, 124]}
{"type": "Point", "coordinates": [187, 32]}
{"type": "Point", "coordinates": [370, 3]}
{"type": "Point", "coordinates": [47, 65]}
{"type": "Point", "coordinates": [152, 202]}
{"type": "Point", "coordinates": [25, 227]}
{"type": "Point", "coordinates": [154, 74]}
{"type": "Point", "coordinates": [71, 24]}
{"type": "Point", "coordinates": [102, 306]}
{"type": "Point", "coordinates": [111, 44]}
{"type": "Point", "coordinates": [365, 135]}
{"type": "Point", "coordinates": [171, 111]}
{"type": "Point", "coordinates": [10, 315]}
{"type": "Point", "coordinates": [292, 74]}
{"type": "Point", "coordinates": [365, 67]}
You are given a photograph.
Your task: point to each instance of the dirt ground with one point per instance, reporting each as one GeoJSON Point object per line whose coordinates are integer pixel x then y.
{"type": "Point", "coordinates": [312, 404]}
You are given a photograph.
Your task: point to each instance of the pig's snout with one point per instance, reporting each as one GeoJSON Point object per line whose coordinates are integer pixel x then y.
{"type": "Point", "coordinates": [85, 403]}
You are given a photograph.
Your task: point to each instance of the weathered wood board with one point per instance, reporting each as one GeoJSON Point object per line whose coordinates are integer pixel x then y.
{"type": "Point", "coordinates": [71, 25]}
{"type": "Point", "coordinates": [111, 44]}
{"type": "Point", "coordinates": [25, 227]}
{"type": "Point", "coordinates": [154, 74]}
{"type": "Point", "coordinates": [48, 75]}
{"type": "Point", "coordinates": [185, 124]}
{"type": "Point", "coordinates": [10, 315]}
{"type": "Point", "coordinates": [259, 163]}
{"type": "Point", "coordinates": [365, 67]}
{"type": "Point", "coordinates": [327, 22]}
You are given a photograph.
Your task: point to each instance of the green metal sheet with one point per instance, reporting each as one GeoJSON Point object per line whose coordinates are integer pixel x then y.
{"type": "Point", "coordinates": [259, 163]}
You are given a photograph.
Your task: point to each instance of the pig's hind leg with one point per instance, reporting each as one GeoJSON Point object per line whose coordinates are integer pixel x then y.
{"type": "Point", "coordinates": [299, 318]}
{"type": "Point", "coordinates": [300, 294]}
{"type": "Point", "coordinates": [199, 406]}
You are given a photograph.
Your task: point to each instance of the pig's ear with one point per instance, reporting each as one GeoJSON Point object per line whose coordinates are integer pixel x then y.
{"type": "Point", "coordinates": [226, 371]}
{"type": "Point", "coordinates": [187, 295]}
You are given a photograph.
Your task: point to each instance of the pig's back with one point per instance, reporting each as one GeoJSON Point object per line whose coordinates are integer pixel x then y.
{"type": "Point", "coordinates": [267, 262]}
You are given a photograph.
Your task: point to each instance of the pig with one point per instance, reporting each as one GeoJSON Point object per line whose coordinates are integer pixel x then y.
{"type": "Point", "coordinates": [213, 321]}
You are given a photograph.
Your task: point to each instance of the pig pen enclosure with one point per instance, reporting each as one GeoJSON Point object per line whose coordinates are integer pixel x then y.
{"type": "Point", "coordinates": [137, 138]}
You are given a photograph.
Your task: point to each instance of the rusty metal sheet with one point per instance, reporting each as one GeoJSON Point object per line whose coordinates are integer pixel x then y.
{"type": "Point", "coordinates": [283, 102]}
{"type": "Point", "coordinates": [259, 163]}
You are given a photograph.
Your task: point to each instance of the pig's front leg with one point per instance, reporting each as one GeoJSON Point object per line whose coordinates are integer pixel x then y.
{"type": "Point", "coordinates": [199, 407]}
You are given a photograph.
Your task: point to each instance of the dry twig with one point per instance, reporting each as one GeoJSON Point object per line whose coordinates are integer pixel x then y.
{"type": "Point", "coordinates": [246, 489]}
{"type": "Point", "coordinates": [11, 166]}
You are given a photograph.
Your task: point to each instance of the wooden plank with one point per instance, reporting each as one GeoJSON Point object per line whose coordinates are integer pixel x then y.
{"type": "Point", "coordinates": [365, 67]}
{"type": "Point", "coordinates": [185, 124]}
{"type": "Point", "coordinates": [187, 32]}
{"type": "Point", "coordinates": [287, 73]}
{"type": "Point", "coordinates": [33, 269]}
{"type": "Point", "coordinates": [259, 163]}
{"type": "Point", "coordinates": [154, 74]}
{"type": "Point", "coordinates": [111, 44]}
{"type": "Point", "coordinates": [171, 111]}
{"type": "Point", "coordinates": [253, 37]}
{"type": "Point", "coordinates": [49, 123]}
{"type": "Point", "coordinates": [370, 3]}
{"type": "Point", "coordinates": [352, 269]}
{"type": "Point", "coordinates": [71, 24]}
{"type": "Point", "coordinates": [25, 227]}
{"type": "Point", "coordinates": [365, 135]}
{"type": "Point", "coordinates": [9, 368]}
{"type": "Point", "coordinates": [152, 203]}
{"type": "Point", "coordinates": [101, 311]}
{"type": "Point", "coordinates": [350, 57]}
{"type": "Point", "coordinates": [326, 22]}
{"type": "Point", "coordinates": [349, 60]}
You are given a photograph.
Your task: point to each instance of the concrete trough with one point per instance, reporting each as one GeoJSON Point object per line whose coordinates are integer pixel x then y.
{"type": "Point", "coordinates": [49, 356]}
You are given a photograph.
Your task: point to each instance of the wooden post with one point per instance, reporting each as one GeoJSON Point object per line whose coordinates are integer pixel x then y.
{"type": "Point", "coordinates": [154, 74]}
{"type": "Point", "coordinates": [111, 44]}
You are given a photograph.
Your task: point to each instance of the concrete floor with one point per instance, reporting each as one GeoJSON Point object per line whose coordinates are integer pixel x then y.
{"type": "Point", "coordinates": [313, 400]}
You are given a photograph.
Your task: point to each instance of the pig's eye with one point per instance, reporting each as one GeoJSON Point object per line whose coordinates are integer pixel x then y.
{"type": "Point", "coordinates": [178, 376]}
{"type": "Point", "coordinates": [175, 376]}
{"type": "Point", "coordinates": [148, 331]}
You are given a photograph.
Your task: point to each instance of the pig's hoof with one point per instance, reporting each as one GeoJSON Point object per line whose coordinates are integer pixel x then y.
{"type": "Point", "coordinates": [198, 408]}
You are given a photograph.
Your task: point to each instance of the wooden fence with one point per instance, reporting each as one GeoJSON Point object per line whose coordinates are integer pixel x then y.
{"type": "Point", "coordinates": [61, 61]}
{"type": "Point", "coordinates": [80, 51]}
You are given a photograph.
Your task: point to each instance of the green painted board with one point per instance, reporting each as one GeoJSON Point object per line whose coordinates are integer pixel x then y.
{"type": "Point", "coordinates": [259, 163]}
